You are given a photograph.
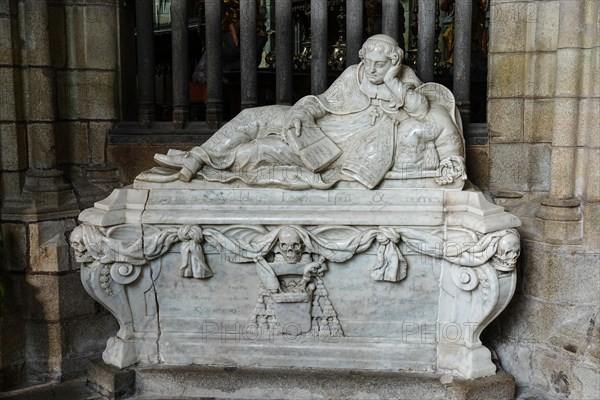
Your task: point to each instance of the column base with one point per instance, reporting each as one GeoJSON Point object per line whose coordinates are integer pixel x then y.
{"type": "Point", "coordinates": [146, 116]}
{"type": "Point", "coordinates": [180, 118]}
{"type": "Point", "coordinates": [46, 195]}
{"type": "Point", "coordinates": [560, 220]}
{"type": "Point", "coordinates": [214, 113]}
{"type": "Point", "coordinates": [465, 111]}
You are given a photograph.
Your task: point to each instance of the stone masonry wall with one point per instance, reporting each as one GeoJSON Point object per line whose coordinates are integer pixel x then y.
{"type": "Point", "coordinates": [58, 98]}
{"type": "Point", "coordinates": [544, 144]}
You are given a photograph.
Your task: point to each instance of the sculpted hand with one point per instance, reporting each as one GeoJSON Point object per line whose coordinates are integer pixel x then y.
{"type": "Point", "coordinates": [295, 124]}
{"type": "Point", "coordinates": [432, 159]}
{"type": "Point", "coordinates": [395, 85]}
{"type": "Point", "coordinates": [294, 127]}
{"type": "Point", "coordinates": [393, 72]}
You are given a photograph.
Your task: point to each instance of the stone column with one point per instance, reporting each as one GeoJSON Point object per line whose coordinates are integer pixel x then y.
{"type": "Point", "coordinates": [13, 136]}
{"type": "Point", "coordinates": [559, 215]}
{"type": "Point", "coordinates": [426, 39]}
{"type": "Point", "coordinates": [462, 58]}
{"type": "Point", "coordinates": [248, 53]}
{"type": "Point", "coordinates": [214, 78]}
{"type": "Point", "coordinates": [283, 51]}
{"type": "Point", "coordinates": [318, 29]}
{"type": "Point", "coordinates": [390, 17]}
{"type": "Point", "coordinates": [128, 63]}
{"type": "Point", "coordinates": [13, 164]}
{"type": "Point", "coordinates": [354, 30]}
{"type": "Point", "coordinates": [145, 61]}
{"type": "Point", "coordinates": [180, 63]}
{"type": "Point", "coordinates": [46, 193]}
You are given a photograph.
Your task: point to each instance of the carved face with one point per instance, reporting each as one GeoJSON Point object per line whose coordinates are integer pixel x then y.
{"type": "Point", "coordinates": [509, 249]}
{"type": "Point", "coordinates": [377, 65]}
{"type": "Point", "coordinates": [291, 245]}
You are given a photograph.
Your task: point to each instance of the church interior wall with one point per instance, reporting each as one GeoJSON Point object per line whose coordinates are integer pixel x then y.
{"type": "Point", "coordinates": [58, 98]}
{"type": "Point", "coordinates": [543, 144]}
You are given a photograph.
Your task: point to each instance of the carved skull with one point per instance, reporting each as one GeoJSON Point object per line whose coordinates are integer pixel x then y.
{"type": "Point", "coordinates": [291, 245]}
{"type": "Point", "coordinates": [78, 244]}
{"type": "Point", "coordinates": [509, 249]}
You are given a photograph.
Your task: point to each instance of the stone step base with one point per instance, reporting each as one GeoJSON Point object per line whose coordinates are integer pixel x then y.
{"type": "Point", "coordinates": [202, 382]}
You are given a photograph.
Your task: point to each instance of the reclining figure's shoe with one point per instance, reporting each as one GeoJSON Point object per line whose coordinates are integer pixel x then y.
{"type": "Point", "coordinates": [180, 159]}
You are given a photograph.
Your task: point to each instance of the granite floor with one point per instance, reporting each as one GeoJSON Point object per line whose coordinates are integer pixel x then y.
{"type": "Point", "coordinates": [70, 390]}
{"type": "Point", "coordinates": [77, 390]}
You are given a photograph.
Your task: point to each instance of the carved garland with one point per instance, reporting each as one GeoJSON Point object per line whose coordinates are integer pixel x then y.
{"type": "Point", "coordinates": [121, 260]}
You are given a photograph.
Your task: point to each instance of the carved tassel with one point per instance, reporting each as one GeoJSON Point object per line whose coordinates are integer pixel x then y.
{"type": "Point", "coordinates": [193, 263]}
{"type": "Point", "coordinates": [200, 268]}
{"type": "Point", "coordinates": [390, 265]}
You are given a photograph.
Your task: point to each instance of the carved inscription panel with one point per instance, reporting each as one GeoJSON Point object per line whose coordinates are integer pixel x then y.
{"type": "Point", "coordinates": [186, 304]}
{"type": "Point", "coordinates": [368, 308]}
{"type": "Point", "coordinates": [226, 304]}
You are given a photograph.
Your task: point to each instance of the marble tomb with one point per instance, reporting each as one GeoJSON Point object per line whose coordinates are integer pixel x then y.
{"type": "Point", "coordinates": [340, 233]}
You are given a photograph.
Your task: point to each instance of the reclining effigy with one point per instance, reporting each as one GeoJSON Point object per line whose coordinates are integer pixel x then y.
{"type": "Point", "coordinates": [339, 232]}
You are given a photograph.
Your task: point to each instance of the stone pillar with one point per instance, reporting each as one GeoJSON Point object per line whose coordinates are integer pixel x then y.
{"type": "Point", "coordinates": [248, 54]}
{"type": "Point", "coordinates": [13, 135]}
{"type": "Point", "coordinates": [128, 63]}
{"type": "Point", "coordinates": [46, 190]}
{"type": "Point", "coordinates": [144, 30]}
{"type": "Point", "coordinates": [180, 62]}
{"type": "Point", "coordinates": [426, 39]}
{"type": "Point", "coordinates": [13, 164]}
{"type": "Point", "coordinates": [318, 30]}
{"type": "Point", "coordinates": [390, 17]}
{"type": "Point", "coordinates": [354, 30]}
{"type": "Point", "coordinates": [283, 52]}
{"type": "Point", "coordinates": [214, 78]}
{"type": "Point", "coordinates": [559, 215]}
{"type": "Point", "coordinates": [462, 58]}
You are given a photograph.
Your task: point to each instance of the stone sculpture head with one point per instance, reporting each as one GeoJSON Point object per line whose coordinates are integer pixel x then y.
{"type": "Point", "coordinates": [291, 245]}
{"type": "Point", "coordinates": [507, 253]}
{"type": "Point", "coordinates": [378, 54]}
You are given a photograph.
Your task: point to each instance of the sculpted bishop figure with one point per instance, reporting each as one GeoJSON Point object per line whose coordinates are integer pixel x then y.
{"type": "Point", "coordinates": [377, 121]}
